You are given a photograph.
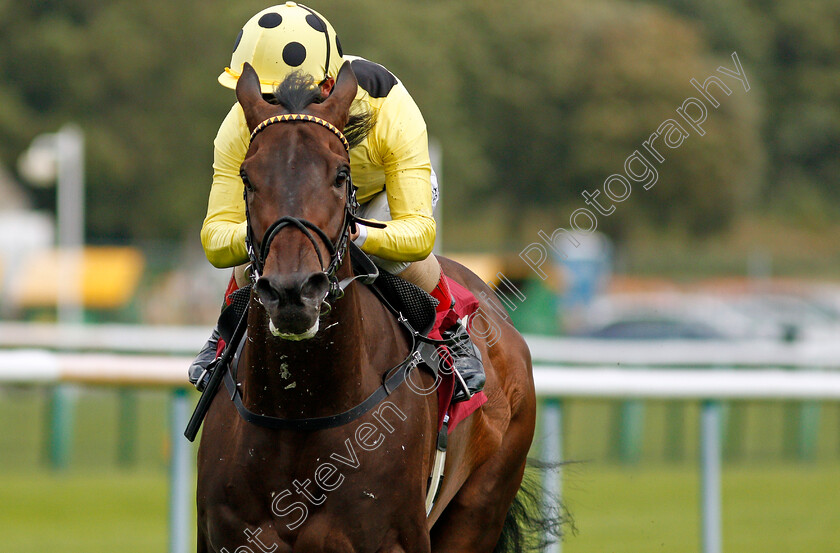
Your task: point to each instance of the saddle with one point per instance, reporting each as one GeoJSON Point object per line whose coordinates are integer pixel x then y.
{"type": "Point", "coordinates": [400, 296]}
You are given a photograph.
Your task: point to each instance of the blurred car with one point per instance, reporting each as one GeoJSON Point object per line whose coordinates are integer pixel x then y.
{"type": "Point", "coordinates": [673, 315]}
{"type": "Point", "coordinates": [801, 318]}
{"type": "Point", "coordinates": [654, 329]}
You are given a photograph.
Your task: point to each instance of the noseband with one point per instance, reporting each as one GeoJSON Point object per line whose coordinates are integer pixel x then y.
{"type": "Point", "coordinates": [336, 249]}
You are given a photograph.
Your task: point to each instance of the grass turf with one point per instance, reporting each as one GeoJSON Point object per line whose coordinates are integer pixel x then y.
{"type": "Point", "coordinates": [83, 513]}
{"type": "Point", "coordinates": [775, 508]}
{"type": "Point", "coordinates": [766, 509]}
{"type": "Point", "coordinates": [770, 504]}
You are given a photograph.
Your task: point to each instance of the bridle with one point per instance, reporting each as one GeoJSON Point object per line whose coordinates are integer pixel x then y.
{"type": "Point", "coordinates": [336, 249]}
{"type": "Point", "coordinates": [423, 349]}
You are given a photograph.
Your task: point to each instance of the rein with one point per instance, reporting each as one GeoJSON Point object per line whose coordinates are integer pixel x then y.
{"type": "Point", "coordinates": [422, 349]}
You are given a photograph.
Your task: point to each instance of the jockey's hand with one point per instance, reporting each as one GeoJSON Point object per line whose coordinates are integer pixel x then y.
{"type": "Point", "coordinates": [354, 234]}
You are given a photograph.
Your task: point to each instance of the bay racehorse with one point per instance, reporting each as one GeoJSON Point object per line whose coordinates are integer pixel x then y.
{"type": "Point", "coordinates": [358, 486]}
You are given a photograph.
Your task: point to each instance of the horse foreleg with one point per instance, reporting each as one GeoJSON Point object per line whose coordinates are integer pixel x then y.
{"type": "Point", "coordinates": [201, 544]}
{"type": "Point", "coordinates": [410, 540]}
{"type": "Point", "coordinates": [473, 520]}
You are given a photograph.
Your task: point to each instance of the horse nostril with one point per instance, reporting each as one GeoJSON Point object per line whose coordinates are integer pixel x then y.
{"type": "Point", "coordinates": [267, 293]}
{"type": "Point", "coordinates": [279, 291]}
{"type": "Point", "coordinates": [315, 287]}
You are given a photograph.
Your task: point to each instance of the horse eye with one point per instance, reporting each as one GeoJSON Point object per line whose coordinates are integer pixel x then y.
{"type": "Point", "coordinates": [341, 179]}
{"type": "Point", "coordinates": [244, 176]}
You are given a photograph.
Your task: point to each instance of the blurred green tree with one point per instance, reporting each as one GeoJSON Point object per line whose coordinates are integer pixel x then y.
{"type": "Point", "coordinates": [795, 49]}
{"type": "Point", "coordinates": [576, 89]}
{"type": "Point", "coordinates": [139, 79]}
{"type": "Point", "coordinates": [538, 101]}
{"type": "Point", "coordinates": [533, 102]}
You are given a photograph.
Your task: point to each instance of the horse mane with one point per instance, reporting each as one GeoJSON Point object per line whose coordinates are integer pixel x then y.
{"type": "Point", "coordinates": [299, 89]}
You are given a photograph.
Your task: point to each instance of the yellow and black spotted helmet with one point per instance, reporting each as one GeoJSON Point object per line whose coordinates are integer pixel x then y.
{"type": "Point", "coordinates": [282, 39]}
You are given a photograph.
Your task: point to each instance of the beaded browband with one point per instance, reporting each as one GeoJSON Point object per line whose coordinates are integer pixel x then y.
{"type": "Point", "coordinates": [301, 117]}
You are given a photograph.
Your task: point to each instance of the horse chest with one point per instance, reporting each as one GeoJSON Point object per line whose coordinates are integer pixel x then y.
{"type": "Point", "coordinates": [353, 492]}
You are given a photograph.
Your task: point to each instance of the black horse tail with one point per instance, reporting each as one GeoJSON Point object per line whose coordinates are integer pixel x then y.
{"type": "Point", "coordinates": [535, 519]}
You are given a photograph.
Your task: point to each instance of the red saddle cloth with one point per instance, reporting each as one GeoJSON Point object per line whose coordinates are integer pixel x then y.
{"type": "Point", "coordinates": [466, 305]}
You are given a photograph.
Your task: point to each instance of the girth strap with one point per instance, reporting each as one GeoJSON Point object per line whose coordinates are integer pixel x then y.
{"type": "Point", "coordinates": [389, 384]}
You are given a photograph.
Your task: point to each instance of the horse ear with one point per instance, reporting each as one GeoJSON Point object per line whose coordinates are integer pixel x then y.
{"type": "Point", "coordinates": [337, 106]}
{"type": "Point", "coordinates": [249, 95]}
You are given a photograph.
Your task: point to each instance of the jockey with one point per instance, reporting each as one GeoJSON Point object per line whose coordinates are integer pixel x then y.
{"type": "Point", "coordinates": [390, 168]}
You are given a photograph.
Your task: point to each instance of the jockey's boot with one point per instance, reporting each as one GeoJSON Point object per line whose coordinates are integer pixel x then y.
{"type": "Point", "coordinates": [466, 359]}
{"type": "Point", "coordinates": [202, 366]}
{"type": "Point", "coordinates": [469, 371]}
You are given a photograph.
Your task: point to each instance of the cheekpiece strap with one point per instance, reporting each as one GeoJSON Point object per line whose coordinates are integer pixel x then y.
{"type": "Point", "coordinates": [301, 117]}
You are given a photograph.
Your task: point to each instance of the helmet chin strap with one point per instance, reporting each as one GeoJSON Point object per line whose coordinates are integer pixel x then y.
{"type": "Point", "coordinates": [326, 38]}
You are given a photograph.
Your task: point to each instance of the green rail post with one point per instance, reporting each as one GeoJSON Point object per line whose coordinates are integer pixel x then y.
{"type": "Point", "coordinates": [674, 431]}
{"type": "Point", "coordinates": [809, 428]}
{"type": "Point", "coordinates": [181, 473]}
{"type": "Point", "coordinates": [127, 428]}
{"type": "Point", "coordinates": [710, 477]}
{"type": "Point", "coordinates": [59, 432]}
{"type": "Point", "coordinates": [790, 430]}
{"type": "Point", "coordinates": [628, 428]}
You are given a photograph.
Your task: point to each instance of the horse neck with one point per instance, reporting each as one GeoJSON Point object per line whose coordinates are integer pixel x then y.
{"type": "Point", "coordinates": [311, 377]}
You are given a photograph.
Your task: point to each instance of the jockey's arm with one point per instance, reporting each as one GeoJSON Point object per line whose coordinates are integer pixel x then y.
{"type": "Point", "coordinates": [224, 229]}
{"type": "Point", "coordinates": [398, 144]}
{"type": "Point", "coordinates": [401, 144]}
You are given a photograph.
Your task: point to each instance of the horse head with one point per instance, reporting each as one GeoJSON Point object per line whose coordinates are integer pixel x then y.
{"type": "Point", "coordinates": [297, 189]}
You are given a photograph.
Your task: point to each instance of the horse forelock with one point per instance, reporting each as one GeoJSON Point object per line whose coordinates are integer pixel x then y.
{"type": "Point", "coordinates": [298, 91]}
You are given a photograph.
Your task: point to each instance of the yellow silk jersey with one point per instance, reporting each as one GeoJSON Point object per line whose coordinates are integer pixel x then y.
{"type": "Point", "coordinates": [393, 157]}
